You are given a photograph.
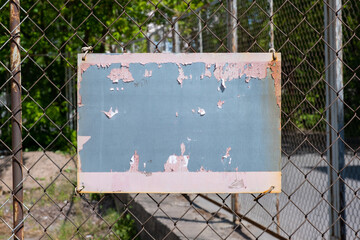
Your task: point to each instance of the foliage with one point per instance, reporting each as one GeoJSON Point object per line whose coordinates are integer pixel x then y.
{"type": "Point", "coordinates": [122, 226]}
{"type": "Point", "coordinates": [53, 32]}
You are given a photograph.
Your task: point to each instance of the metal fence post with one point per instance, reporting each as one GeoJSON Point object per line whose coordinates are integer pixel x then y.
{"type": "Point", "coordinates": [232, 26]}
{"type": "Point", "coordinates": [176, 39]}
{"type": "Point", "coordinates": [15, 66]}
{"type": "Point", "coordinates": [201, 49]}
{"type": "Point", "coordinates": [233, 46]}
{"type": "Point", "coordinates": [335, 116]}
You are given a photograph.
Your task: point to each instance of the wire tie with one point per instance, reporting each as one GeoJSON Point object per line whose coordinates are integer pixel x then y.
{"type": "Point", "coordinates": [264, 193]}
{"type": "Point", "coordinates": [272, 50]}
{"type": "Point", "coordinates": [86, 50]}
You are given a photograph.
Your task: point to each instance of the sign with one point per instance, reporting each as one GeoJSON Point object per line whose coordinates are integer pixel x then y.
{"type": "Point", "coordinates": [179, 123]}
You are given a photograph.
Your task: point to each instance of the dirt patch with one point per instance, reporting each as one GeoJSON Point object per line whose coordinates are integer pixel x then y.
{"type": "Point", "coordinates": [52, 208]}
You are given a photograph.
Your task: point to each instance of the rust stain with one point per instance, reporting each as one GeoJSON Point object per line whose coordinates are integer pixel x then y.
{"type": "Point", "coordinates": [177, 163]}
{"type": "Point", "coordinates": [134, 162]}
{"type": "Point", "coordinates": [275, 67]}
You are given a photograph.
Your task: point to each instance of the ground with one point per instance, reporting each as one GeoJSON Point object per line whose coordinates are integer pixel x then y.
{"type": "Point", "coordinates": [53, 210]}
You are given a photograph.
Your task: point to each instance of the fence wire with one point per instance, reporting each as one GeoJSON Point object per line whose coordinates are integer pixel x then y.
{"type": "Point", "coordinates": [38, 133]}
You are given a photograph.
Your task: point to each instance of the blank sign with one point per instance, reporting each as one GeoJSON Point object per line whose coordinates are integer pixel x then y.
{"type": "Point", "coordinates": [179, 123]}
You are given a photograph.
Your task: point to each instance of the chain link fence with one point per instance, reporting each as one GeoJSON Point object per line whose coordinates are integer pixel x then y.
{"type": "Point", "coordinates": [39, 42]}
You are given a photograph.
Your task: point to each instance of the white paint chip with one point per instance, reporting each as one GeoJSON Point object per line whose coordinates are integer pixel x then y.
{"type": "Point", "coordinates": [201, 111]}
{"type": "Point", "coordinates": [111, 113]}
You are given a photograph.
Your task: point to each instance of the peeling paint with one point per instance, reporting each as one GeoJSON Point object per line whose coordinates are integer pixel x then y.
{"type": "Point", "coordinates": [103, 65]}
{"type": "Point", "coordinates": [81, 140]}
{"type": "Point", "coordinates": [221, 69]}
{"type": "Point", "coordinates": [237, 184]}
{"type": "Point", "coordinates": [202, 169]}
{"type": "Point", "coordinates": [134, 162]}
{"type": "Point", "coordinates": [223, 84]}
{"type": "Point", "coordinates": [121, 73]}
{"type": "Point", "coordinates": [181, 76]}
{"type": "Point", "coordinates": [111, 113]}
{"type": "Point", "coordinates": [148, 73]}
{"type": "Point", "coordinates": [80, 101]}
{"type": "Point", "coordinates": [182, 148]}
{"type": "Point", "coordinates": [227, 154]}
{"type": "Point", "coordinates": [207, 72]}
{"type": "Point", "coordinates": [258, 70]}
{"type": "Point", "coordinates": [84, 67]}
{"type": "Point", "coordinates": [177, 163]}
{"type": "Point", "coordinates": [201, 111]}
{"type": "Point", "coordinates": [276, 75]}
{"type": "Point", "coordinates": [220, 103]}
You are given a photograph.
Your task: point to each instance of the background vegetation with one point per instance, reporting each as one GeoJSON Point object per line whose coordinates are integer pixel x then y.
{"type": "Point", "coordinates": [52, 33]}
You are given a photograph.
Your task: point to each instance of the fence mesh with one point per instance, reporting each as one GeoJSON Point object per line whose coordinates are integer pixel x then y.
{"type": "Point", "coordinates": [53, 32]}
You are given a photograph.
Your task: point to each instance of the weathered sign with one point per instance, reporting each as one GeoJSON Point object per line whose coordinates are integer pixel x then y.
{"type": "Point", "coordinates": [188, 123]}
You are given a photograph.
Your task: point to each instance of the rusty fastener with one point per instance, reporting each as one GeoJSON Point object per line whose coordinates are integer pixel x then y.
{"type": "Point", "coordinates": [272, 50]}
{"type": "Point", "coordinates": [86, 50]}
{"type": "Point", "coordinates": [77, 190]}
{"type": "Point", "coordinates": [264, 193]}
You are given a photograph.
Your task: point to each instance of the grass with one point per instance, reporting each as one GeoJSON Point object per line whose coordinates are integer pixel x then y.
{"type": "Point", "coordinates": [111, 224]}
{"type": "Point", "coordinates": [122, 226]}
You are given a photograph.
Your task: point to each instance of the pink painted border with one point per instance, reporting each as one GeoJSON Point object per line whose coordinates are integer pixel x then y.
{"type": "Point", "coordinates": [179, 182]}
{"type": "Point", "coordinates": [180, 58]}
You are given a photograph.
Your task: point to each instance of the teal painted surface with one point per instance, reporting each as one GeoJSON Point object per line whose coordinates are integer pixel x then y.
{"type": "Point", "coordinates": [146, 121]}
